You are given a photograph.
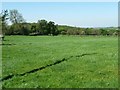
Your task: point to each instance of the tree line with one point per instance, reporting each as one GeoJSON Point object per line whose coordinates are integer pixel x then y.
{"type": "Point", "coordinates": [68, 30]}
{"type": "Point", "coordinates": [20, 27]}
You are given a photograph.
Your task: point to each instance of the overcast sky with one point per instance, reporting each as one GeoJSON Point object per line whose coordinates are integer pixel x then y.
{"type": "Point", "coordinates": [81, 14]}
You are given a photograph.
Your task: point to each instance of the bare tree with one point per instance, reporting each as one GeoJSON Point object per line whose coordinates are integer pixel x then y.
{"type": "Point", "coordinates": [16, 17]}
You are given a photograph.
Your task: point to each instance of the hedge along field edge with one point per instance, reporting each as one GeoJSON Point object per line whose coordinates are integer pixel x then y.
{"type": "Point", "coordinates": [0, 59]}
{"type": "Point", "coordinates": [119, 44]}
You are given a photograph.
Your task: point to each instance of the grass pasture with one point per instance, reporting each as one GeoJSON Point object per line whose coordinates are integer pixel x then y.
{"type": "Point", "coordinates": [67, 61]}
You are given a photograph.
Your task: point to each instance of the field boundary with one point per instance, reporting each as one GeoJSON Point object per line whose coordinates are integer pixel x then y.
{"type": "Point", "coordinates": [43, 67]}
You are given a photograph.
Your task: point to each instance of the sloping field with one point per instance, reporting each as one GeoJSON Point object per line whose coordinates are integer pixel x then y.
{"type": "Point", "coordinates": [60, 62]}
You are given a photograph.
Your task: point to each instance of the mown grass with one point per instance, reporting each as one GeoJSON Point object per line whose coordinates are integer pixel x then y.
{"type": "Point", "coordinates": [25, 53]}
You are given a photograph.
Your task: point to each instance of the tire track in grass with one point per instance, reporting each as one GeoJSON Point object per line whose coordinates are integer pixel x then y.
{"type": "Point", "coordinates": [43, 67]}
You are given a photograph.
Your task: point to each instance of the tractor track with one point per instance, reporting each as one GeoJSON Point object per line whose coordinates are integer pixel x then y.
{"type": "Point", "coordinates": [43, 67]}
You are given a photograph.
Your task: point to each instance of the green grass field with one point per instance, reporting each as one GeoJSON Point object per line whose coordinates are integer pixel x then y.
{"type": "Point", "coordinates": [68, 61]}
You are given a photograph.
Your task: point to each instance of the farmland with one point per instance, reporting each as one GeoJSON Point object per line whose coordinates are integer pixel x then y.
{"type": "Point", "coordinates": [60, 61]}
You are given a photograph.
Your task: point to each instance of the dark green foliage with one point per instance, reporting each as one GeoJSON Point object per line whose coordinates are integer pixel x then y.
{"type": "Point", "coordinates": [67, 30]}
{"type": "Point", "coordinates": [52, 28]}
{"type": "Point", "coordinates": [24, 29]}
{"type": "Point", "coordinates": [43, 27]}
{"type": "Point", "coordinates": [33, 27]}
{"type": "Point", "coordinates": [103, 31]}
{"type": "Point", "coordinates": [18, 29]}
{"type": "Point", "coordinates": [3, 21]}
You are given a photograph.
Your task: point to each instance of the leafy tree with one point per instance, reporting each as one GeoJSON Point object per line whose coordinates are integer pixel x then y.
{"type": "Point", "coordinates": [18, 26]}
{"type": "Point", "coordinates": [19, 29]}
{"type": "Point", "coordinates": [33, 27]}
{"type": "Point", "coordinates": [24, 29]}
{"type": "Point", "coordinates": [42, 27]}
{"type": "Point", "coordinates": [10, 30]}
{"type": "Point", "coordinates": [103, 32]}
{"type": "Point", "coordinates": [3, 20]}
{"type": "Point", "coordinates": [52, 28]}
{"type": "Point", "coordinates": [15, 29]}
{"type": "Point", "coordinates": [88, 31]}
{"type": "Point", "coordinates": [0, 24]}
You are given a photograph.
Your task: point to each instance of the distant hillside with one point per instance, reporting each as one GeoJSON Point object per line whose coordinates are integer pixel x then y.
{"type": "Point", "coordinates": [70, 30]}
{"type": "Point", "coordinates": [66, 27]}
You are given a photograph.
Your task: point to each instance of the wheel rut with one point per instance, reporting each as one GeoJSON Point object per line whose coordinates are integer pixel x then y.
{"type": "Point", "coordinates": [43, 67]}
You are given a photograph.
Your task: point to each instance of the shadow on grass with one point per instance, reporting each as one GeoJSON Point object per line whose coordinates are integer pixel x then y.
{"type": "Point", "coordinates": [8, 44]}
